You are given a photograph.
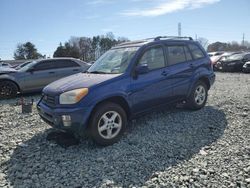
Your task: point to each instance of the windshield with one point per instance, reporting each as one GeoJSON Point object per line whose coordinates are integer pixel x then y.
{"type": "Point", "coordinates": [113, 61]}
{"type": "Point", "coordinates": [27, 66]}
{"type": "Point", "coordinates": [22, 65]}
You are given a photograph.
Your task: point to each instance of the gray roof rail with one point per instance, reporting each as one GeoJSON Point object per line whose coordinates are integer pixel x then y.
{"type": "Point", "coordinates": [171, 37]}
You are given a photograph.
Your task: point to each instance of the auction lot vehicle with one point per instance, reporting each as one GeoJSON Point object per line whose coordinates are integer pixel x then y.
{"type": "Point", "coordinates": [2, 64]}
{"type": "Point", "coordinates": [233, 63]}
{"type": "Point", "coordinates": [33, 76]}
{"type": "Point", "coordinates": [129, 80]}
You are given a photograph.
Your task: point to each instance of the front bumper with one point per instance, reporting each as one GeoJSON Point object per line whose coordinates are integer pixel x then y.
{"type": "Point", "coordinates": [54, 117]}
{"type": "Point", "coordinates": [246, 69]}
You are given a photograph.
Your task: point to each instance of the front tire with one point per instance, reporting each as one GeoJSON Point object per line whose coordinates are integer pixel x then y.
{"type": "Point", "coordinates": [108, 123]}
{"type": "Point", "coordinates": [198, 97]}
{"type": "Point", "coordinates": [8, 89]}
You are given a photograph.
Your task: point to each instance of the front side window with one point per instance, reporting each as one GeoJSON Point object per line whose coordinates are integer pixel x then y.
{"type": "Point", "coordinates": [114, 61]}
{"type": "Point", "coordinates": [45, 65]}
{"type": "Point", "coordinates": [196, 51]}
{"type": "Point", "coordinates": [176, 54]}
{"type": "Point", "coordinates": [154, 58]}
{"type": "Point", "coordinates": [247, 57]}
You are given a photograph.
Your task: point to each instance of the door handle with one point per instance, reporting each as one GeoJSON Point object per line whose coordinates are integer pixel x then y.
{"type": "Point", "coordinates": [75, 69]}
{"type": "Point", "coordinates": [164, 73]}
{"type": "Point", "coordinates": [51, 72]}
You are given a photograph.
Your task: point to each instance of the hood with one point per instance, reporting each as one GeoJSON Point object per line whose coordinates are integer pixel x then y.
{"type": "Point", "coordinates": [6, 70]}
{"type": "Point", "coordinates": [232, 61]}
{"type": "Point", "coordinates": [76, 81]}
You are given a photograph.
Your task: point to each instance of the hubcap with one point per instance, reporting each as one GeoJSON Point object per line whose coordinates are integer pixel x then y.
{"type": "Point", "coordinates": [6, 90]}
{"type": "Point", "coordinates": [200, 95]}
{"type": "Point", "coordinates": [109, 125]}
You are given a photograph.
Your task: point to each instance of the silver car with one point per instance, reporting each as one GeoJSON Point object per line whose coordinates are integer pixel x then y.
{"type": "Point", "coordinates": [37, 74]}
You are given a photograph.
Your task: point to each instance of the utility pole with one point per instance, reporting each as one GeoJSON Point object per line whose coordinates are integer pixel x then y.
{"type": "Point", "coordinates": [179, 29]}
{"type": "Point", "coordinates": [243, 40]}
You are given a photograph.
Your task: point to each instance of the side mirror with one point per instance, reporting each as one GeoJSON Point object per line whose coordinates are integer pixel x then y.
{"type": "Point", "coordinates": [142, 69]}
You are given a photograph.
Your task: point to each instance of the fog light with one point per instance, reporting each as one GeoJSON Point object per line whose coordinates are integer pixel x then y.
{"type": "Point", "coordinates": [66, 119]}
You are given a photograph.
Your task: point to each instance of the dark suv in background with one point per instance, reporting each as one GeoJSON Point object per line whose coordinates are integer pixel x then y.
{"type": "Point", "coordinates": [33, 76]}
{"type": "Point", "coordinates": [129, 80]}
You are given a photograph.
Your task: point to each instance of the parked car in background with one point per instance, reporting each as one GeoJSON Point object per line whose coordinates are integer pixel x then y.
{"type": "Point", "coordinates": [3, 64]}
{"type": "Point", "coordinates": [33, 76]}
{"type": "Point", "coordinates": [233, 63]}
{"type": "Point", "coordinates": [221, 57]}
{"type": "Point", "coordinates": [246, 67]}
{"type": "Point", "coordinates": [127, 81]}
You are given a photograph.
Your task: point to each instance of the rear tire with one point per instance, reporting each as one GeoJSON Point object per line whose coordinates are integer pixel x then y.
{"type": "Point", "coordinates": [198, 97]}
{"type": "Point", "coordinates": [108, 123]}
{"type": "Point", "coordinates": [8, 89]}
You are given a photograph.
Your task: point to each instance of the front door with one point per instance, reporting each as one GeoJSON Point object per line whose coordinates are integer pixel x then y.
{"type": "Point", "coordinates": [153, 88]}
{"type": "Point", "coordinates": [43, 73]}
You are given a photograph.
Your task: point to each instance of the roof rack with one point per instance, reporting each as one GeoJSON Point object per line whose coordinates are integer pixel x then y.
{"type": "Point", "coordinates": [171, 37]}
{"type": "Point", "coordinates": [132, 42]}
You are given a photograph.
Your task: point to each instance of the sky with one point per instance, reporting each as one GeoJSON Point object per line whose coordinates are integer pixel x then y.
{"type": "Point", "coordinates": [46, 23]}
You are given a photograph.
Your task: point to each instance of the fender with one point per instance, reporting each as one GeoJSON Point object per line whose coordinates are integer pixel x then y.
{"type": "Point", "coordinates": [201, 74]}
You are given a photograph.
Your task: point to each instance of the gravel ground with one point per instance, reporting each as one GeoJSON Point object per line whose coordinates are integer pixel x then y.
{"type": "Point", "coordinates": [171, 148]}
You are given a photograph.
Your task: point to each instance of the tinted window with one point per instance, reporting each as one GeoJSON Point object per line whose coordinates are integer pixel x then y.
{"type": "Point", "coordinates": [44, 65]}
{"type": "Point", "coordinates": [66, 63]}
{"type": "Point", "coordinates": [176, 54]}
{"type": "Point", "coordinates": [187, 53]}
{"type": "Point", "coordinates": [196, 51]}
{"type": "Point", "coordinates": [154, 58]}
{"type": "Point", "coordinates": [247, 57]}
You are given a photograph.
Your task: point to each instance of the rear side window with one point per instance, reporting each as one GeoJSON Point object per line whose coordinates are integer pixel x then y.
{"type": "Point", "coordinates": [44, 65]}
{"type": "Point", "coordinates": [66, 63]}
{"type": "Point", "coordinates": [188, 54]}
{"type": "Point", "coordinates": [154, 58]}
{"type": "Point", "coordinates": [196, 51]}
{"type": "Point", "coordinates": [176, 54]}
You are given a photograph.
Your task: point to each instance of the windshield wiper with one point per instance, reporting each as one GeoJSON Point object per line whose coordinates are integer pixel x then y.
{"type": "Point", "coordinates": [96, 72]}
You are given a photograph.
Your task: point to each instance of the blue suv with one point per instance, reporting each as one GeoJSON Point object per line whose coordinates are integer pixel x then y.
{"type": "Point", "coordinates": [127, 81]}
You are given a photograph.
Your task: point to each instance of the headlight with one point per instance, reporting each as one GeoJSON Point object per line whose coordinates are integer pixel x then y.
{"type": "Point", "coordinates": [73, 96]}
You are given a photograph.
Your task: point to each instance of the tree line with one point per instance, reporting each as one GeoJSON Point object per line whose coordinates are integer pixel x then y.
{"type": "Point", "coordinates": [84, 48]}
{"type": "Point", "coordinates": [229, 46]}
{"type": "Point", "coordinates": [90, 48]}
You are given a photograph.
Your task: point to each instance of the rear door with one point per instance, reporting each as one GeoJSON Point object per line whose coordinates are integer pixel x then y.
{"type": "Point", "coordinates": [179, 68]}
{"type": "Point", "coordinates": [67, 67]}
{"type": "Point", "coordinates": [151, 89]}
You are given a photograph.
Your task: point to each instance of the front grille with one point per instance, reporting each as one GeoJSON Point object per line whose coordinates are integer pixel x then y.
{"type": "Point", "coordinates": [49, 100]}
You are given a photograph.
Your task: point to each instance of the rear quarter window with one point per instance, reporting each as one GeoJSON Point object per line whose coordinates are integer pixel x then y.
{"type": "Point", "coordinates": [196, 51]}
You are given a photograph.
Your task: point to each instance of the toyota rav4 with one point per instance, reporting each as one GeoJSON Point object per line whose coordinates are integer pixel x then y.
{"type": "Point", "coordinates": [129, 80]}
